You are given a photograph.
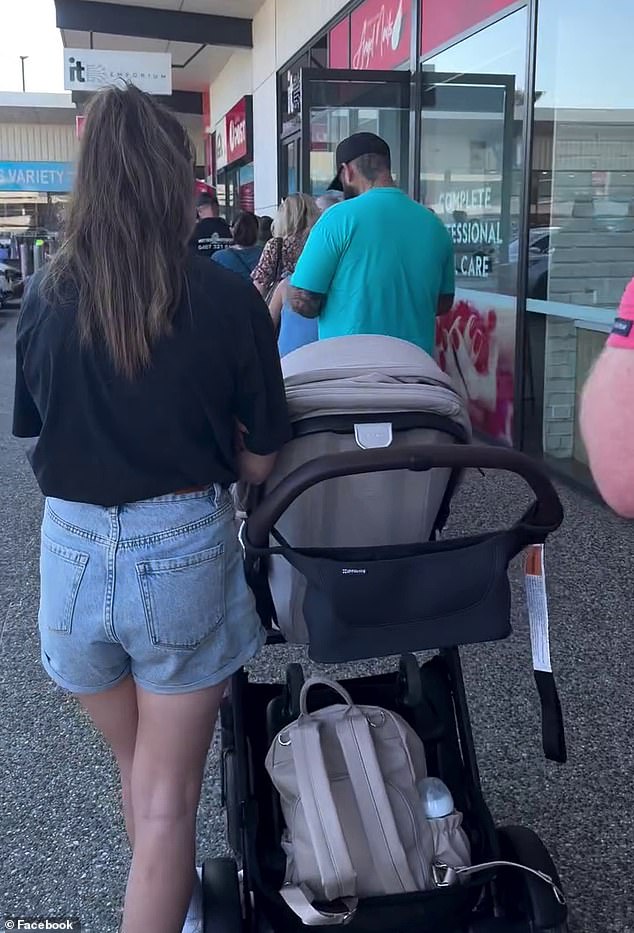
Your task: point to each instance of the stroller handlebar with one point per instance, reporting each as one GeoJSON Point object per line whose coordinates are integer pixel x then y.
{"type": "Point", "coordinates": [547, 514]}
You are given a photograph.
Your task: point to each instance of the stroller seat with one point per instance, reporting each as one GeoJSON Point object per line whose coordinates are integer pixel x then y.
{"type": "Point", "coordinates": [352, 393]}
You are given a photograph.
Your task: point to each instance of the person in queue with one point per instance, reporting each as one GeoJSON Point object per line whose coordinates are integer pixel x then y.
{"type": "Point", "coordinates": [150, 379]}
{"type": "Point", "coordinates": [244, 255]}
{"type": "Point", "coordinates": [607, 414]}
{"type": "Point", "coordinates": [296, 331]}
{"type": "Point", "coordinates": [378, 263]}
{"type": "Point", "coordinates": [210, 227]}
{"type": "Point", "coordinates": [295, 219]}
{"type": "Point", "coordinates": [265, 223]}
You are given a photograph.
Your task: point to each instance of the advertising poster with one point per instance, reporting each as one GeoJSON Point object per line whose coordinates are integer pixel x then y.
{"type": "Point", "coordinates": [467, 149]}
{"type": "Point", "coordinates": [475, 345]}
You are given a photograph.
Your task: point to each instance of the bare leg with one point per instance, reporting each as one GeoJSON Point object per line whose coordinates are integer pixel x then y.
{"type": "Point", "coordinates": [115, 714]}
{"type": "Point", "coordinates": [173, 737]}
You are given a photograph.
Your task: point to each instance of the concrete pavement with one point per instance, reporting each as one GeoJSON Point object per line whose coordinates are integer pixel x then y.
{"type": "Point", "coordinates": [62, 843]}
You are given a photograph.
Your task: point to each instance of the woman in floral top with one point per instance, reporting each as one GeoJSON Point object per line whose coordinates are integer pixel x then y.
{"type": "Point", "coordinates": [292, 225]}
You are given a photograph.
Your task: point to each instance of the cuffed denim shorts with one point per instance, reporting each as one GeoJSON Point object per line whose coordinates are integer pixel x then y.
{"type": "Point", "coordinates": [155, 589]}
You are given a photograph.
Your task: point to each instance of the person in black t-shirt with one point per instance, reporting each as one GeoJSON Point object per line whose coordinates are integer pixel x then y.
{"type": "Point", "coordinates": [212, 232]}
{"type": "Point", "coordinates": [150, 381]}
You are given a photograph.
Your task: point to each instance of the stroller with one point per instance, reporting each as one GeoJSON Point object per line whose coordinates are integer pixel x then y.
{"type": "Point", "coordinates": [343, 553]}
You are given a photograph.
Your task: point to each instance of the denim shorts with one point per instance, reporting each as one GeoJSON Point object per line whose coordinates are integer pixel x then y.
{"type": "Point", "coordinates": [155, 589]}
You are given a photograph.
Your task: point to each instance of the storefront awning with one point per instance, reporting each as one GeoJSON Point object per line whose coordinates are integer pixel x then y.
{"type": "Point", "coordinates": [197, 33]}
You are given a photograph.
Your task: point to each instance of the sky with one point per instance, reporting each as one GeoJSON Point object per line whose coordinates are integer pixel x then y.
{"type": "Point", "coordinates": [28, 28]}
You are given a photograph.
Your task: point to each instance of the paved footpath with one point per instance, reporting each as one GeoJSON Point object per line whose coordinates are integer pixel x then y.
{"type": "Point", "coordinates": [62, 848]}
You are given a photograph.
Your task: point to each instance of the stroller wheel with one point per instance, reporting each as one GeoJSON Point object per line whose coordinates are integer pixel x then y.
{"type": "Point", "coordinates": [522, 896]}
{"type": "Point", "coordinates": [222, 906]}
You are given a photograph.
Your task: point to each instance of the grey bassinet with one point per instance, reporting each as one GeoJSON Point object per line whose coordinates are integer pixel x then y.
{"type": "Point", "coordinates": [361, 391]}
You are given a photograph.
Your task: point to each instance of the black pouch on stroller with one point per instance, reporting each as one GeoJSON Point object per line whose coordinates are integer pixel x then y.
{"type": "Point", "coordinates": [378, 601]}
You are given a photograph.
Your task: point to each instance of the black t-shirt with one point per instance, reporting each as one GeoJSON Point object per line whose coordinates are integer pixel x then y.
{"type": "Point", "coordinates": [207, 234]}
{"type": "Point", "coordinates": [108, 440]}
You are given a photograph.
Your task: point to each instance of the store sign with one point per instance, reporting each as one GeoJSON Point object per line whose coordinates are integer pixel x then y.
{"type": "Point", "coordinates": [443, 21]}
{"type": "Point", "coordinates": [294, 87]}
{"type": "Point", "coordinates": [475, 228]}
{"type": "Point", "coordinates": [380, 33]}
{"type": "Point", "coordinates": [92, 69]}
{"type": "Point", "coordinates": [234, 134]}
{"type": "Point", "coordinates": [36, 176]}
{"type": "Point", "coordinates": [238, 129]}
{"type": "Point", "coordinates": [221, 144]}
{"type": "Point", "coordinates": [339, 45]}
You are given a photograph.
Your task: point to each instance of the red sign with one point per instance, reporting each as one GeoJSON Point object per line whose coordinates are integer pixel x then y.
{"type": "Point", "coordinates": [380, 33]}
{"type": "Point", "coordinates": [79, 126]}
{"type": "Point", "coordinates": [339, 45]}
{"type": "Point", "coordinates": [238, 129]}
{"type": "Point", "coordinates": [443, 21]}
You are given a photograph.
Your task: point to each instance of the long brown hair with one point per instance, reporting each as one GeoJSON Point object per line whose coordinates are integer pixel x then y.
{"type": "Point", "coordinates": [128, 226]}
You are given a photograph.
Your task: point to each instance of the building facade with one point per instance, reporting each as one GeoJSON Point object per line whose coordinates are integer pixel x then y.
{"type": "Point", "coordinates": [38, 147]}
{"type": "Point", "coordinates": [513, 121]}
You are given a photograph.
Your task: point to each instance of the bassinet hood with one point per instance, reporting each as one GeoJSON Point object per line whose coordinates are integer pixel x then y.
{"type": "Point", "coordinates": [365, 374]}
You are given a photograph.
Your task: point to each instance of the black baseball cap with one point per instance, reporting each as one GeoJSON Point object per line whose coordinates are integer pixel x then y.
{"type": "Point", "coordinates": [352, 148]}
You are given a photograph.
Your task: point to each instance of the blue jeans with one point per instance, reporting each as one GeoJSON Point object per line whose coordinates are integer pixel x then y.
{"type": "Point", "coordinates": [154, 589]}
{"type": "Point", "coordinates": [295, 331]}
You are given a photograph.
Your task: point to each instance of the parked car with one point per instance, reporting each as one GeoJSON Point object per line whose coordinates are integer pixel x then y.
{"type": "Point", "coordinates": [10, 283]}
{"type": "Point", "coordinates": [539, 252]}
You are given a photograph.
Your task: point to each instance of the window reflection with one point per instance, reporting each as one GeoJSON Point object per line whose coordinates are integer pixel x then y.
{"type": "Point", "coordinates": [471, 176]}
{"type": "Point", "coordinates": [582, 204]}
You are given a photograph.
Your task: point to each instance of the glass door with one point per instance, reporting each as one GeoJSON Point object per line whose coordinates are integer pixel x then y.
{"type": "Point", "coordinates": [337, 103]}
{"type": "Point", "coordinates": [290, 165]}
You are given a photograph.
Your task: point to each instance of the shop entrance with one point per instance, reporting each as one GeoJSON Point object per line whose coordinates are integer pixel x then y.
{"type": "Point", "coordinates": [334, 103]}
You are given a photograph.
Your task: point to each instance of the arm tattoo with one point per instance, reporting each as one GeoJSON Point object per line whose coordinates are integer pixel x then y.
{"type": "Point", "coordinates": [308, 304]}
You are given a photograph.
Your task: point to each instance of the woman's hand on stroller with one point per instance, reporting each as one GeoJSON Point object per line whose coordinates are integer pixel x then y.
{"type": "Point", "coordinates": [253, 469]}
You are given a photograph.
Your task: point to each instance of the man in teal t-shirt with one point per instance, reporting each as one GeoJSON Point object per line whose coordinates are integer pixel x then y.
{"type": "Point", "coordinates": [378, 263]}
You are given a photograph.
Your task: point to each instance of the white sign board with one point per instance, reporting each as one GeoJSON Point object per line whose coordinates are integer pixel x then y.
{"type": "Point", "coordinates": [92, 69]}
{"type": "Point", "coordinates": [221, 143]}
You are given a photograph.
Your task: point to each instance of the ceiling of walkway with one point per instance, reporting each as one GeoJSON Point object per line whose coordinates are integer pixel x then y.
{"type": "Point", "coordinates": [201, 35]}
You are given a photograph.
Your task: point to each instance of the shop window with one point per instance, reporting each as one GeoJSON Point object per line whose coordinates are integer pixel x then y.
{"type": "Point", "coordinates": [471, 177]}
{"type": "Point", "coordinates": [338, 108]}
{"type": "Point", "coordinates": [582, 206]}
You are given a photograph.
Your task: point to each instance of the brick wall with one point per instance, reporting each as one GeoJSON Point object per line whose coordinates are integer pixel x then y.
{"type": "Point", "coordinates": [560, 387]}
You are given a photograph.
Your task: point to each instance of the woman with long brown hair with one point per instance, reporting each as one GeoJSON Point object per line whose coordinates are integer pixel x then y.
{"type": "Point", "coordinates": [150, 380]}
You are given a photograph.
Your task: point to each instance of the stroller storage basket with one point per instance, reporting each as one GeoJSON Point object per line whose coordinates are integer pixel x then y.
{"type": "Point", "coordinates": [374, 602]}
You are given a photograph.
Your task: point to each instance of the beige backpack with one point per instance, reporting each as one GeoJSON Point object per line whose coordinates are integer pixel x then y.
{"type": "Point", "coordinates": [347, 777]}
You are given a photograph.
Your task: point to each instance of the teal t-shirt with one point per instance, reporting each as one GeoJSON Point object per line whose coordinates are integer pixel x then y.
{"type": "Point", "coordinates": [382, 261]}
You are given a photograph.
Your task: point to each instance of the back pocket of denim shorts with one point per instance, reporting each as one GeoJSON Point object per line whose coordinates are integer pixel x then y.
{"type": "Point", "coordinates": [61, 572]}
{"type": "Point", "coordinates": [183, 597]}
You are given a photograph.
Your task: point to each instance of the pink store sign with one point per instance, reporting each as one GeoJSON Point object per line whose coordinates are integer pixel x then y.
{"type": "Point", "coordinates": [380, 34]}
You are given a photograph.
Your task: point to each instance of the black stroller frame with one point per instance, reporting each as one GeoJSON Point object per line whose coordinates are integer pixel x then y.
{"type": "Point", "coordinates": [242, 893]}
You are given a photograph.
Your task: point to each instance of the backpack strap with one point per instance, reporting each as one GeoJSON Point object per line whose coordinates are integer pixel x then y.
{"type": "Point", "coordinates": [375, 809]}
{"type": "Point", "coordinates": [337, 873]}
{"type": "Point", "coordinates": [300, 901]}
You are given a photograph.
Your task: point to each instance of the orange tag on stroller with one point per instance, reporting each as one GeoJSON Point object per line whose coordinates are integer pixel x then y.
{"type": "Point", "coordinates": [537, 603]}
